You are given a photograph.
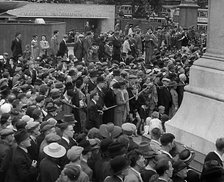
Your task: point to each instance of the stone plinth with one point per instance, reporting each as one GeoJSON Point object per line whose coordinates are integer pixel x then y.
{"type": "Point", "coordinates": [188, 13]}
{"type": "Point", "coordinates": [199, 121]}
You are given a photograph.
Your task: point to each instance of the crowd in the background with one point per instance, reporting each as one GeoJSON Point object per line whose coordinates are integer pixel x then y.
{"type": "Point", "coordinates": [73, 114]}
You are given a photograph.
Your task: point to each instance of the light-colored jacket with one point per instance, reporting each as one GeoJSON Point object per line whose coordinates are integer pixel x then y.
{"type": "Point", "coordinates": [133, 176]}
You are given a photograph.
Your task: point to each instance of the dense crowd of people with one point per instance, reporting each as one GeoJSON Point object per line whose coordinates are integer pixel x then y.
{"type": "Point", "coordinates": [73, 117]}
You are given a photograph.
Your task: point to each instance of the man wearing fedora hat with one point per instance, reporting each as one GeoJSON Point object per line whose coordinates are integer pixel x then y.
{"type": "Point", "coordinates": [49, 169]}
{"type": "Point", "coordinates": [23, 168]}
{"type": "Point", "coordinates": [119, 166]}
{"type": "Point", "coordinates": [67, 140]}
{"type": "Point", "coordinates": [46, 128]}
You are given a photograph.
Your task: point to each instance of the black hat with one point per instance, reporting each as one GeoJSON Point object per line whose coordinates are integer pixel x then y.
{"type": "Point", "coordinates": [105, 143]}
{"type": "Point", "coordinates": [178, 166]}
{"type": "Point", "coordinates": [212, 171]}
{"type": "Point", "coordinates": [38, 82]}
{"type": "Point", "coordinates": [21, 135]}
{"type": "Point", "coordinates": [100, 79]}
{"type": "Point", "coordinates": [93, 74]}
{"type": "Point", "coordinates": [69, 118]}
{"type": "Point", "coordinates": [116, 73]}
{"type": "Point", "coordinates": [115, 149]}
{"type": "Point", "coordinates": [116, 85]}
{"type": "Point", "coordinates": [3, 87]}
{"type": "Point", "coordinates": [86, 145]}
{"type": "Point", "coordinates": [40, 98]}
{"type": "Point", "coordinates": [186, 155]}
{"type": "Point", "coordinates": [118, 164]}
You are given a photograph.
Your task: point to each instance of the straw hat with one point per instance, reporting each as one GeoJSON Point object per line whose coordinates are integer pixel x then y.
{"type": "Point", "coordinates": [54, 150]}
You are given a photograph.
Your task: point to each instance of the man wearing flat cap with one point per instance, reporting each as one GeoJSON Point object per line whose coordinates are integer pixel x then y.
{"type": "Point", "coordinates": [74, 155]}
{"type": "Point", "coordinates": [33, 129]}
{"type": "Point", "coordinates": [46, 127]}
{"type": "Point", "coordinates": [23, 168]}
{"type": "Point", "coordinates": [7, 138]}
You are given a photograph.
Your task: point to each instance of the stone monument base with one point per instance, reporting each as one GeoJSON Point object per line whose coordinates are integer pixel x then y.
{"type": "Point", "coordinates": [200, 119]}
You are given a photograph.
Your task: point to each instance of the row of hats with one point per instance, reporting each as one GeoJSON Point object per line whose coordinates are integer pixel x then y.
{"type": "Point", "coordinates": [119, 162]}
{"type": "Point", "coordinates": [109, 130]}
{"type": "Point", "coordinates": [56, 151]}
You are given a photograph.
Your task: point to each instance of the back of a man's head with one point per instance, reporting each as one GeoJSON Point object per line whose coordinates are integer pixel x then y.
{"type": "Point", "coordinates": [167, 138]}
{"type": "Point", "coordinates": [220, 144]}
{"type": "Point", "coordinates": [161, 166]}
{"type": "Point", "coordinates": [156, 133]}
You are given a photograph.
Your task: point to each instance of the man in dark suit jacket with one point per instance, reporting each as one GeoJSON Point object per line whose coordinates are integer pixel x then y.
{"type": "Point", "coordinates": [95, 115]}
{"type": "Point", "coordinates": [16, 46]}
{"type": "Point", "coordinates": [116, 47]}
{"type": "Point", "coordinates": [67, 140]}
{"type": "Point", "coordinates": [100, 90]}
{"type": "Point", "coordinates": [92, 81]}
{"type": "Point", "coordinates": [33, 129]}
{"type": "Point", "coordinates": [164, 169]}
{"type": "Point", "coordinates": [164, 95]}
{"type": "Point", "coordinates": [63, 49]}
{"type": "Point", "coordinates": [109, 100]}
{"type": "Point", "coordinates": [78, 48]}
{"type": "Point", "coordinates": [218, 153]}
{"type": "Point", "coordinates": [23, 168]}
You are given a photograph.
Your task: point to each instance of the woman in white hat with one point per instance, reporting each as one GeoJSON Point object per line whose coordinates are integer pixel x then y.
{"type": "Point", "coordinates": [49, 168]}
